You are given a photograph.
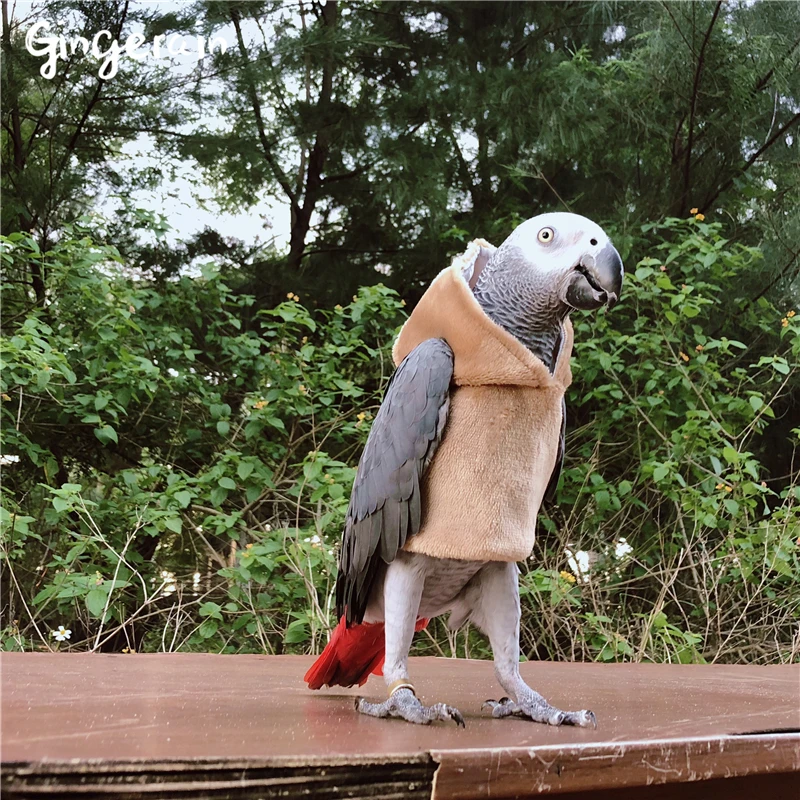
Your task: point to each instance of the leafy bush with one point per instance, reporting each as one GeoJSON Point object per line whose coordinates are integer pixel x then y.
{"type": "Point", "coordinates": [184, 460]}
{"type": "Point", "coordinates": [178, 463]}
{"type": "Point", "coordinates": [694, 546]}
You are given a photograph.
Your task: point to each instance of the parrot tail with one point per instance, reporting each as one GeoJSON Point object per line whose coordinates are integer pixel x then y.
{"type": "Point", "coordinates": [351, 656]}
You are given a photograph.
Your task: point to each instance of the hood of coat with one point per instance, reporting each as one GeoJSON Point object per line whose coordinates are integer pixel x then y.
{"type": "Point", "coordinates": [484, 353]}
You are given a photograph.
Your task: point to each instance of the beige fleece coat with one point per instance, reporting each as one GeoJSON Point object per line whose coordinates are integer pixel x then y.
{"type": "Point", "coordinates": [483, 489]}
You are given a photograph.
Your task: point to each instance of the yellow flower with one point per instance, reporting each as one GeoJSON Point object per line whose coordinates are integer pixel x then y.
{"type": "Point", "coordinates": [302, 389]}
{"type": "Point", "coordinates": [402, 302]}
{"type": "Point", "coordinates": [720, 486]}
{"type": "Point", "coordinates": [791, 313]}
{"type": "Point", "coordinates": [663, 267]}
{"type": "Point", "coordinates": [683, 355]}
{"type": "Point", "coordinates": [296, 298]}
{"type": "Point", "coordinates": [693, 210]}
{"type": "Point", "coordinates": [337, 307]}
{"type": "Point", "coordinates": [304, 339]}
{"type": "Point", "coordinates": [361, 416]}
{"type": "Point", "coordinates": [567, 576]}
{"type": "Point", "coordinates": [728, 489]}
{"type": "Point", "coordinates": [784, 322]}
{"type": "Point", "coordinates": [699, 217]}
{"type": "Point", "coordinates": [260, 404]}
{"type": "Point", "coordinates": [248, 545]}
{"type": "Point", "coordinates": [5, 397]}
{"type": "Point", "coordinates": [290, 296]}
{"type": "Point", "coordinates": [699, 348]}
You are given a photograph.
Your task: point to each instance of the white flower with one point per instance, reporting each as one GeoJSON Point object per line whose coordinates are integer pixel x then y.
{"type": "Point", "coordinates": [61, 634]}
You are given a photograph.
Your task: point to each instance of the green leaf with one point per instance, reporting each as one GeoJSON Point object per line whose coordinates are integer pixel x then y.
{"type": "Point", "coordinates": [96, 602]}
{"type": "Point", "coordinates": [223, 427]}
{"type": "Point", "coordinates": [781, 366]}
{"type": "Point", "coordinates": [659, 473]}
{"type": "Point", "coordinates": [106, 434]}
{"type": "Point", "coordinates": [708, 259]}
{"type": "Point", "coordinates": [174, 524]}
{"type": "Point", "coordinates": [244, 469]}
{"type": "Point", "coordinates": [211, 610]}
{"type": "Point", "coordinates": [253, 428]}
{"type": "Point", "coordinates": [296, 632]}
{"type": "Point", "coordinates": [218, 495]}
{"type": "Point", "coordinates": [227, 483]}
{"type": "Point", "coordinates": [183, 498]}
{"type": "Point", "coordinates": [313, 470]}
{"type": "Point", "coordinates": [731, 505]}
{"type": "Point", "coordinates": [208, 628]}
{"type": "Point", "coordinates": [756, 402]}
{"type": "Point", "coordinates": [730, 455]}
{"type": "Point", "coordinates": [252, 493]}
{"type": "Point", "coordinates": [60, 504]}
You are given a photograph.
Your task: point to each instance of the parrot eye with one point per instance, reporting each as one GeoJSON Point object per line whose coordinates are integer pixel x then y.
{"type": "Point", "coordinates": [546, 235]}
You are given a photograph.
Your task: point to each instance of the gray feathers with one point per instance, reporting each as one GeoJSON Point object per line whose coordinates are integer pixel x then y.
{"type": "Point", "coordinates": [522, 301]}
{"type": "Point", "coordinates": [386, 505]}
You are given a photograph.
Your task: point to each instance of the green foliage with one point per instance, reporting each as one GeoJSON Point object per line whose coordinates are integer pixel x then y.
{"type": "Point", "coordinates": [185, 461]}
{"type": "Point", "coordinates": [155, 446]}
{"type": "Point", "coordinates": [666, 451]}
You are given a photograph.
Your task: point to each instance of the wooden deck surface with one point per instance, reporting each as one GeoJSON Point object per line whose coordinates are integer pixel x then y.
{"type": "Point", "coordinates": [195, 725]}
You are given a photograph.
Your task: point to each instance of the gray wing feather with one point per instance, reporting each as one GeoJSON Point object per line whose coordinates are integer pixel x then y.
{"type": "Point", "coordinates": [385, 505]}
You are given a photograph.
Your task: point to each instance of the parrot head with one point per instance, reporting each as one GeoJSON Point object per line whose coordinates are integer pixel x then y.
{"type": "Point", "coordinates": [569, 256]}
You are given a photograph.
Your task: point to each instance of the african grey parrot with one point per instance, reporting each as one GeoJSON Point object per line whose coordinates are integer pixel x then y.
{"type": "Point", "coordinates": [549, 266]}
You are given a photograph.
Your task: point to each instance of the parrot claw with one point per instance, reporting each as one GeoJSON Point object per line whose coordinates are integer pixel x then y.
{"type": "Point", "coordinates": [404, 704]}
{"type": "Point", "coordinates": [540, 712]}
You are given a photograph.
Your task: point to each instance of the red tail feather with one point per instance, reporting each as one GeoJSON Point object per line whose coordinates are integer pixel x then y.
{"type": "Point", "coordinates": [351, 656]}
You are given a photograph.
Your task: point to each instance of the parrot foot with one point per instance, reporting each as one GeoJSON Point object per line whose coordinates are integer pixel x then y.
{"type": "Point", "coordinates": [404, 703]}
{"type": "Point", "coordinates": [539, 710]}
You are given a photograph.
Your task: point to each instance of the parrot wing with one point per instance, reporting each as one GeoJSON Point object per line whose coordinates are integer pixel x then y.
{"type": "Point", "coordinates": [386, 503]}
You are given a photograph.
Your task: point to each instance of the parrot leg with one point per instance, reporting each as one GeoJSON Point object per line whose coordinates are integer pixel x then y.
{"type": "Point", "coordinates": [402, 593]}
{"type": "Point", "coordinates": [496, 611]}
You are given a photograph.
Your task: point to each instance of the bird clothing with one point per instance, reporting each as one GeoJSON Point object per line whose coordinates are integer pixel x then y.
{"type": "Point", "coordinates": [483, 489]}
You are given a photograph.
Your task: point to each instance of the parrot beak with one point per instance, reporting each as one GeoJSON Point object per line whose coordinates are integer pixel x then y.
{"type": "Point", "coordinates": [596, 280]}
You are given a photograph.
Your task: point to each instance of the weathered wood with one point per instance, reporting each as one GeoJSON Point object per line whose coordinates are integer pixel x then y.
{"type": "Point", "coordinates": [194, 725]}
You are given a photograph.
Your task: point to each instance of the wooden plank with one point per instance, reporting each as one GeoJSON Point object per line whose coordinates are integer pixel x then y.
{"type": "Point", "coordinates": [106, 720]}
{"type": "Point", "coordinates": [523, 772]}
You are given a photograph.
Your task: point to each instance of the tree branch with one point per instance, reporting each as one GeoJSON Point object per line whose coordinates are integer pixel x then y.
{"type": "Point", "coordinates": [695, 90]}
{"type": "Point", "coordinates": [266, 147]}
{"type": "Point", "coordinates": [752, 160]}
